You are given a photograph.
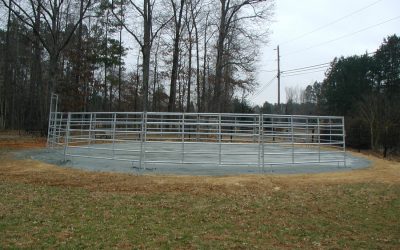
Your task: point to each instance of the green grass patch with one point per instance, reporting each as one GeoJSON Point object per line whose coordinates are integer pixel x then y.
{"type": "Point", "coordinates": [335, 216]}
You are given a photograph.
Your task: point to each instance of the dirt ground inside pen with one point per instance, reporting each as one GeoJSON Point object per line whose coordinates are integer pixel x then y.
{"type": "Point", "coordinates": [36, 172]}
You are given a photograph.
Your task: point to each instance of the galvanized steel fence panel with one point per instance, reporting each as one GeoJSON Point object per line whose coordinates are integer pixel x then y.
{"type": "Point", "coordinates": [141, 138]}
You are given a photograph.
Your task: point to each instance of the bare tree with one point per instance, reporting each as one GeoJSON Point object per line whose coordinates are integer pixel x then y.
{"type": "Point", "coordinates": [144, 36]}
{"type": "Point", "coordinates": [190, 41]}
{"type": "Point", "coordinates": [369, 111]}
{"type": "Point", "coordinates": [206, 62]}
{"type": "Point", "coordinates": [177, 14]}
{"type": "Point", "coordinates": [195, 7]}
{"type": "Point", "coordinates": [54, 36]}
{"type": "Point", "coordinates": [236, 14]}
{"type": "Point", "coordinates": [51, 12]}
{"type": "Point", "coordinates": [155, 74]}
{"type": "Point", "coordinates": [5, 88]}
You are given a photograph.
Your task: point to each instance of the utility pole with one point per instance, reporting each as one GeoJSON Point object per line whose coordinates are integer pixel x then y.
{"type": "Point", "coordinates": [279, 79]}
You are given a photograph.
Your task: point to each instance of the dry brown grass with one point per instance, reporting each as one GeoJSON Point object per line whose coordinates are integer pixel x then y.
{"type": "Point", "coordinates": [20, 140]}
{"type": "Point", "coordinates": [46, 206]}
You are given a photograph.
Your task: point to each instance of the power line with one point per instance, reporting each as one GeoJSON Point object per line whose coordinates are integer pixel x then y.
{"type": "Point", "coordinates": [263, 88]}
{"type": "Point", "coordinates": [268, 71]}
{"type": "Point", "coordinates": [312, 67]}
{"type": "Point", "coordinates": [316, 68]}
{"type": "Point", "coordinates": [305, 70]}
{"type": "Point", "coordinates": [309, 68]}
{"type": "Point", "coordinates": [331, 23]}
{"type": "Point", "coordinates": [304, 73]}
{"type": "Point", "coordinates": [344, 36]}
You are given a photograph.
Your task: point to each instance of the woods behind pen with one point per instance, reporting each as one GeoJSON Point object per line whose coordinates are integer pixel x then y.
{"type": "Point", "coordinates": [200, 54]}
{"type": "Point", "coordinates": [191, 55]}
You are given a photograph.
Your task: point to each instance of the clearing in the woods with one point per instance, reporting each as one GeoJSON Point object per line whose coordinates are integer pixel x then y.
{"type": "Point", "coordinates": [46, 206]}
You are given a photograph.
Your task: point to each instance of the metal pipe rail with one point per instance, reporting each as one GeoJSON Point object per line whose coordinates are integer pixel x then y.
{"type": "Point", "coordinates": [199, 138]}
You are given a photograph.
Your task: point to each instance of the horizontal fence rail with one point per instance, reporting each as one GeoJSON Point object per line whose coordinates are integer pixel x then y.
{"type": "Point", "coordinates": [144, 138]}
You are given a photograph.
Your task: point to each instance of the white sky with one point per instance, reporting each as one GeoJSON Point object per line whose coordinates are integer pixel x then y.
{"type": "Point", "coordinates": [295, 18]}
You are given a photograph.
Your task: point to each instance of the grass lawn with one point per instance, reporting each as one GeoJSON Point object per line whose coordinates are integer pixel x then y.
{"type": "Point", "coordinates": [339, 216]}
{"type": "Point", "coordinates": [44, 206]}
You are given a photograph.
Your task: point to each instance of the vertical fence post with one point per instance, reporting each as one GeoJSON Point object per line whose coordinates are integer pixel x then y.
{"type": "Point", "coordinates": [90, 128]}
{"type": "Point", "coordinates": [126, 126]}
{"type": "Point", "coordinates": [254, 129]}
{"type": "Point", "coordinates": [82, 123]}
{"type": "Point", "coordinates": [262, 142]}
{"type": "Point", "coordinates": [114, 124]}
{"type": "Point", "coordinates": [219, 140]}
{"type": "Point", "coordinates": [54, 129]}
{"type": "Point", "coordinates": [54, 134]}
{"type": "Point", "coordinates": [307, 132]}
{"type": "Point", "coordinates": [330, 130]}
{"type": "Point", "coordinates": [197, 128]}
{"type": "Point", "coordinates": [319, 139]}
{"type": "Point", "coordinates": [291, 125]}
{"type": "Point", "coordinates": [344, 142]}
{"type": "Point", "coordinates": [67, 137]}
{"type": "Point", "coordinates": [162, 125]}
{"type": "Point", "coordinates": [56, 109]}
{"type": "Point", "coordinates": [273, 128]}
{"type": "Point", "coordinates": [50, 121]}
{"type": "Point", "coordinates": [94, 126]}
{"type": "Point", "coordinates": [183, 136]}
{"type": "Point", "coordinates": [235, 130]}
{"type": "Point", "coordinates": [259, 140]}
{"type": "Point", "coordinates": [58, 128]}
{"type": "Point", "coordinates": [142, 139]}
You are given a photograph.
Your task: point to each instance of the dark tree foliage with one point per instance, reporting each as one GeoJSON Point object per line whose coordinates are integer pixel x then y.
{"type": "Point", "coordinates": [366, 90]}
{"type": "Point", "coordinates": [346, 81]}
{"type": "Point", "coordinates": [387, 68]}
{"type": "Point", "coordinates": [241, 106]}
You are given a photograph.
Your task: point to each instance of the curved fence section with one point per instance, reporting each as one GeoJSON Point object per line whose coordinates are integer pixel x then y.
{"type": "Point", "coordinates": [146, 138]}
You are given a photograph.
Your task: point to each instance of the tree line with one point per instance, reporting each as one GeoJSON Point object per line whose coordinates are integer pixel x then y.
{"type": "Point", "coordinates": [187, 55]}
{"type": "Point", "coordinates": [364, 89]}
{"type": "Point", "coordinates": [176, 55]}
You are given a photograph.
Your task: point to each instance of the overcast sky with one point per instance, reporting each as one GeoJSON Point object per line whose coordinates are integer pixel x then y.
{"type": "Point", "coordinates": [304, 28]}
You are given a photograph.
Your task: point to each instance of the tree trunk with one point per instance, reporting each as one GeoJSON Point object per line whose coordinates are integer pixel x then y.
{"type": "Point", "coordinates": [36, 100]}
{"type": "Point", "coordinates": [197, 68]}
{"type": "Point", "coordinates": [5, 90]}
{"type": "Point", "coordinates": [111, 97]}
{"type": "Point", "coordinates": [106, 67]}
{"type": "Point", "coordinates": [372, 137]}
{"type": "Point", "coordinates": [146, 72]}
{"type": "Point", "coordinates": [189, 72]}
{"type": "Point", "coordinates": [137, 84]}
{"type": "Point", "coordinates": [155, 76]}
{"type": "Point", "coordinates": [175, 56]}
{"type": "Point", "coordinates": [120, 64]}
{"type": "Point", "coordinates": [146, 51]}
{"type": "Point", "coordinates": [219, 62]}
{"type": "Point", "coordinates": [204, 85]}
{"type": "Point", "coordinates": [78, 70]}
